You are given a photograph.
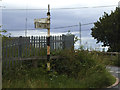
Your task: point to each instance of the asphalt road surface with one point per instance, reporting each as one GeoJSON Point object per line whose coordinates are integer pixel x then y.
{"type": "Point", "coordinates": [116, 72]}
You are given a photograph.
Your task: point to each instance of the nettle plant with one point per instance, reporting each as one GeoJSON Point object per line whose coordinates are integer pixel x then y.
{"type": "Point", "coordinates": [4, 33]}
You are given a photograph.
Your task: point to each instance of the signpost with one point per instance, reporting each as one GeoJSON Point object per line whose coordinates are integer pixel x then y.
{"type": "Point", "coordinates": [44, 23]}
{"type": "Point", "coordinates": [48, 41]}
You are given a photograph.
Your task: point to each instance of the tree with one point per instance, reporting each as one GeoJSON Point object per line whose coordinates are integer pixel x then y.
{"type": "Point", "coordinates": [107, 30]}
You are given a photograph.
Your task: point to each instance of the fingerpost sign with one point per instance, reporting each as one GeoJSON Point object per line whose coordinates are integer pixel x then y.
{"type": "Point", "coordinates": [44, 23]}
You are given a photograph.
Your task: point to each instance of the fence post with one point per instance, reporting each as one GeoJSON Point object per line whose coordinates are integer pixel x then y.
{"type": "Point", "coordinates": [63, 41]}
{"type": "Point", "coordinates": [20, 47]}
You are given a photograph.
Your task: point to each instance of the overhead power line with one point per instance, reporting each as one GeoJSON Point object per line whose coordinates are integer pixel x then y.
{"type": "Point", "coordinates": [65, 27]}
{"type": "Point", "coordinates": [87, 24]}
{"type": "Point", "coordinates": [77, 30]}
{"type": "Point", "coordinates": [86, 7]}
{"type": "Point", "coordinates": [62, 8]}
{"type": "Point", "coordinates": [18, 29]}
{"type": "Point", "coordinates": [55, 27]}
{"type": "Point", "coordinates": [73, 26]}
{"type": "Point", "coordinates": [41, 29]}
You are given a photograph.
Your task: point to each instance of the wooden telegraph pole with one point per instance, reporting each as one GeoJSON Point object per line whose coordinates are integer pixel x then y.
{"type": "Point", "coordinates": [48, 41]}
{"type": "Point", "coordinates": [119, 4]}
{"type": "Point", "coordinates": [80, 32]}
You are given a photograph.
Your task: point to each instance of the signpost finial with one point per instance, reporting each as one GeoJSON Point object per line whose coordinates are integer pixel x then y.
{"type": "Point", "coordinates": [48, 13]}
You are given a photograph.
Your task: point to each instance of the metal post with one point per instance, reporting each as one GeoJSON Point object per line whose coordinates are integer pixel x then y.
{"type": "Point", "coordinates": [80, 32]}
{"type": "Point", "coordinates": [48, 41]}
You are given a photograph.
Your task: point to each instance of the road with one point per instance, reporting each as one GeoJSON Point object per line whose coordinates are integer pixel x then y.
{"type": "Point", "coordinates": [116, 72]}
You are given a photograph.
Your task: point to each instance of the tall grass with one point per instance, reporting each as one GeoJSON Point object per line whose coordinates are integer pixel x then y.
{"type": "Point", "coordinates": [39, 78]}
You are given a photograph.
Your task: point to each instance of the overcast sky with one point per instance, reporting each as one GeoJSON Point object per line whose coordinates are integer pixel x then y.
{"type": "Point", "coordinates": [56, 3]}
{"type": "Point", "coordinates": [15, 19]}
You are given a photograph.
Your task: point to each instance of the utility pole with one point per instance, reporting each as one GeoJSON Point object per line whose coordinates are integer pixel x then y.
{"type": "Point", "coordinates": [80, 32]}
{"type": "Point", "coordinates": [26, 28]}
{"type": "Point", "coordinates": [26, 19]}
{"type": "Point", "coordinates": [48, 41]}
{"type": "Point", "coordinates": [119, 4]}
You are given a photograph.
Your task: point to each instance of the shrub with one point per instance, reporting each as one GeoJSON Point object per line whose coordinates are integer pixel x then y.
{"type": "Point", "coordinates": [83, 66]}
{"type": "Point", "coordinates": [75, 63]}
